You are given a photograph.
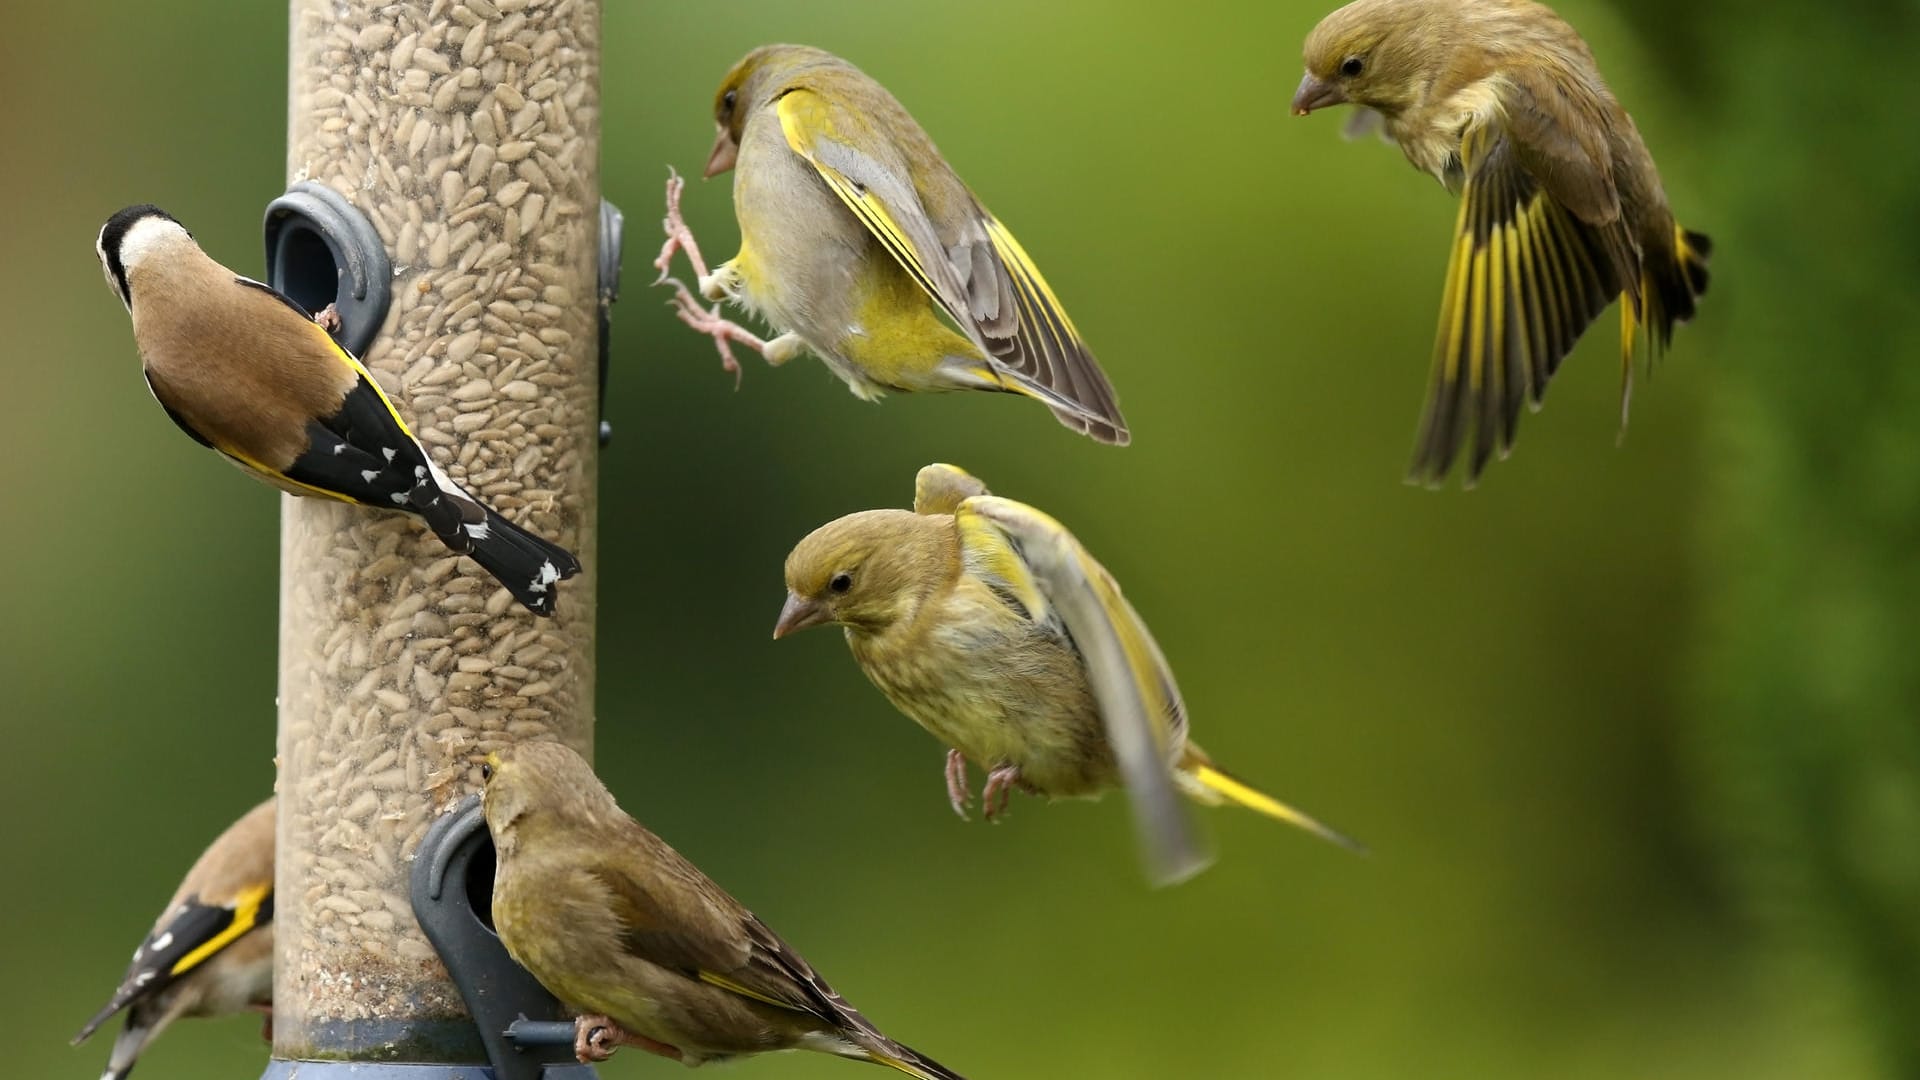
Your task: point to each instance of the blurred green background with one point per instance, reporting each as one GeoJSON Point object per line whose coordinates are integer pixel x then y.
{"type": "Point", "coordinates": [1631, 729]}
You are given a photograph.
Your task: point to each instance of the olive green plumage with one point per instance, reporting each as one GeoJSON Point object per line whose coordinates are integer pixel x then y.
{"type": "Point", "coordinates": [1562, 210]}
{"type": "Point", "coordinates": [858, 241]}
{"type": "Point", "coordinates": [618, 925]}
{"type": "Point", "coordinates": [952, 612]}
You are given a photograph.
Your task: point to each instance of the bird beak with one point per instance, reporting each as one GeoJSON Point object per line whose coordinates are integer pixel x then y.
{"type": "Point", "coordinates": [798, 614]}
{"type": "Point", "coordinates": [724, 151]}
{"type": "Point", "coordinates": [1316, 93]}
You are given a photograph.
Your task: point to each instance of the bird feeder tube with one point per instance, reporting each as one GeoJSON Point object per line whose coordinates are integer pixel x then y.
{"type": "Point", "coordinates": [467, 133]}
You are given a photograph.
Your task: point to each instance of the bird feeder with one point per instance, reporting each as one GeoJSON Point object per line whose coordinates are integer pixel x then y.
{"type": "Point", "coordinates": [462, 138]}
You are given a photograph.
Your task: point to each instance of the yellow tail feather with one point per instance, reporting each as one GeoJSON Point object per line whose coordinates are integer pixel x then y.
{"type": "Point", "coordinates": [1209, 784]}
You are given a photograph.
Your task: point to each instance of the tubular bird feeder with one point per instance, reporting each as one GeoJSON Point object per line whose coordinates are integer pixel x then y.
{"type": "Point", "coordinates": [466, 134]}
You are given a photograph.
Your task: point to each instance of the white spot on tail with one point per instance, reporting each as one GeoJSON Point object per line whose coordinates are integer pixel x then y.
{"type": "Point", "coordinates": [160, 943]}
{"type": "Point", "coordinates": [369, 474]}
{"type": "Point", "coordinates": [478, 530]}
{"type": "Point", "coordinates": [389, 452]}
{"type": "Point", "coordinates": [339, 448]}
{"type": "Point", "coordinates": [144, 978]}
{"type": "Point", "coordinates": [399, 497]}
{"type": "Point", "coordinates": [549, 574]}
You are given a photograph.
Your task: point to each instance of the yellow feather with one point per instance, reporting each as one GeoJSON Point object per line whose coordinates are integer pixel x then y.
{"type": "Point", "coordinates": [1016, 256]}
{"type": "Point", "coordinates": [732, 987]}
{"type": "Point", "coordinates": [798, 112]}
{"type": "Point", "coordinates": [1216, 786]}
{"type": "Point", "coordinates": [246, 912]}
{"type": "Point", "coordinates": [987, 548]}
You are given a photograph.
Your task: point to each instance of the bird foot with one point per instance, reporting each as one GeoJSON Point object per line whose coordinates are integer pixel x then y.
{"type": "Point", "coordinates": [266, 1021]}
{"type": "Point", "coordinates": [957, 792]}
{"type": "Point", "coordinates": [679, 237]}
{"type": "Point", "coordinates": [725, 334]}
{"type": "Point", "coordinates": [1000, 784]}
{"type": "Point", "coordinates": [687, 306]}
{"type": "Point", "coordinates": [595, 1038]}
{"type": "Point", "coordinates": [328, 319]}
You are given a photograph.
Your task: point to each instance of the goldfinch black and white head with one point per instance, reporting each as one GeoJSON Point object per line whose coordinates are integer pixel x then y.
{"type": "Point", "coordinates": [134, 238]}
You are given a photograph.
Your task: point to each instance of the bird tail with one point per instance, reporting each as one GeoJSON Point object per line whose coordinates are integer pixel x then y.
{"type": "Point", "coordinates": [1205, 782]}
{"type": "Point", "coordinates": [126, 1050]}
{"type": "Point", "coordinates": [908, 1060]}
{"type": "Point", "coordinates": [528, 566]}
{"type": "Point", "coordinates": [1671, 285]}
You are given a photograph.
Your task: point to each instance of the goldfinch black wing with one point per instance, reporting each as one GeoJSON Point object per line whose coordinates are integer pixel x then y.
{"type": "Point", "coordinates": [1527, 275]}
{"type": "Point", "coordinates": [1031, 558]}
{"type": "Point", "coordinates": [193, 932]}
{"type": "Point", "coordinates": [961, 255]}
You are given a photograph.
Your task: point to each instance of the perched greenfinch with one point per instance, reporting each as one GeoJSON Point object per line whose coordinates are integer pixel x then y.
{"type": "Point", "coordinates": [1561, 208]}
{"type": "Point", "coordinates": [211, 950]}
{"type": "Point", "coordinates": [988, 624]}
{"type": "Point", "coordinates": [859, 242]}
{"type": "Point", "coordinates": [618, 926]}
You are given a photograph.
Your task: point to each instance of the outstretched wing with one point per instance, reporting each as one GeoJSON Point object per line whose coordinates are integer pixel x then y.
{"type": "Point", "coordinates": [1032, 557]}
{"type": "Point", "coordinates": [961, 255]}
{"type": "Point", "coordinates": [939, 489]}
{"type": "Point", "coordinates": [1523, 283]}
{"type": "Point", "coordinates": [1539, 251]}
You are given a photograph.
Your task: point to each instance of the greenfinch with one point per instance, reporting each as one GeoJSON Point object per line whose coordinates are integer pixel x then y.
{"type": "Point", "coordinates": [1561, 208]}
{"type": "Point", "coordinates": [988, 624]}
{"type": "Point", "coordinates": [619, 926]}
{"type": "Point", "coordinates": [860, 243]}
{"type": "Point", "coordinates": [211, 950]}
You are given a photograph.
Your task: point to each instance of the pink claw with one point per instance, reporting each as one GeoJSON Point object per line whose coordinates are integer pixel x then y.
{"type": "Point", "coordinates": [957, 792]}
{"type": "Point", "coordinates": [1000, 785]}
{"type": "Point", "coordinates": [725, 334]}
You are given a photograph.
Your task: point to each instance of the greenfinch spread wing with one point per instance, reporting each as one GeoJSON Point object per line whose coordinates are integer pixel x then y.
{"type": "Point", "coordinates": [1040, 561]}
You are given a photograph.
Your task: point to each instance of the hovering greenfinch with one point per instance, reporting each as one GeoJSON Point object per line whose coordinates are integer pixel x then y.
{"type": "Point", "coordinates": [859, 243]}
{"type": "Point", "coordinates": [211, 951]}
{"type": "Point", "coordinates": [988, 624]}
{"type": "Point", "coordinates": [1561, 208]}
{"type": "Point", "coordinates": [619, 926]}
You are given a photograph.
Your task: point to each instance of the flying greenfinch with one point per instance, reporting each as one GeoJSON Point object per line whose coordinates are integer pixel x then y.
{"type": "Point", "coordinates": [211, 950]}
{"type": "Point", "coordinates": [648, 949]}
{"type": "Point", "coordinates": [988, 624]}
{"type": "Point", "coordinates": [1561, 208]}
{"type": "Point", "coordinates": [859, 243]}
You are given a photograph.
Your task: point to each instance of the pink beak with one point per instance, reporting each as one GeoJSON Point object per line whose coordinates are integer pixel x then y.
{"type": "Point", "coordinates": [1316, 93]}
{"type": "Point", "coordinates": [725, 150]}
{"type": "Point", "coordinates": [799, 613]}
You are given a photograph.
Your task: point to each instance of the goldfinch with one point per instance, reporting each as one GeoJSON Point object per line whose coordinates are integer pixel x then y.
{"type": "Point", "coordinates": [618, 926]}
{"type": "Point", "coordinates": [1561, 208]}
{"type": "Point", "coordinates": [988, 624]}
{"type": "Point", "coordinates": [245, 371]}
{"type": "Point", "coordinates": [211, 950]}
{"type": "Point", "coordinates": [858, 242]}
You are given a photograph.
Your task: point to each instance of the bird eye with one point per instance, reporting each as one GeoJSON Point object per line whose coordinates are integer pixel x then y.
{"type": "Point", "coordinates": [727, 101]}
{"type": "Point", "coordinates": [841, 582]}
{"type": "Point", "coordinates": [486, 772]}
{"type": "Point", "coordinates": [1353, 66]}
